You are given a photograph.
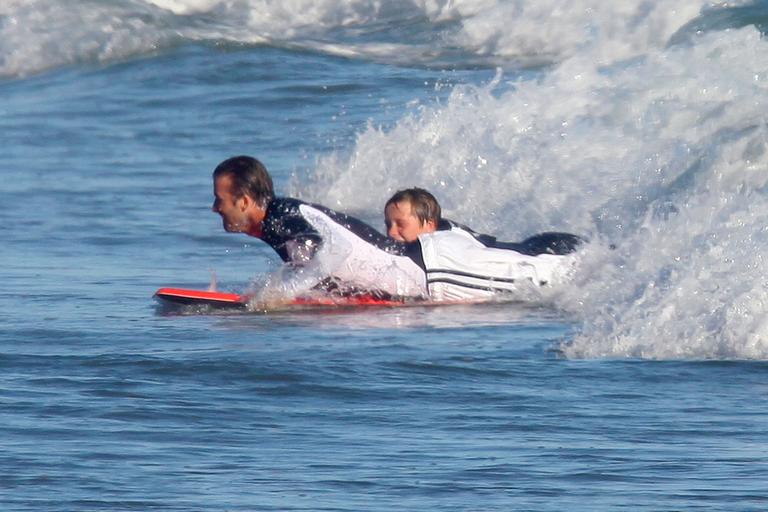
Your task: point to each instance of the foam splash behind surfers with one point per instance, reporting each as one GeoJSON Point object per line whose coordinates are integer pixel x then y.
{"type": "Point", "coordinates": [664, 156]}
{"type": "Point", "coordinates": [689, 277]}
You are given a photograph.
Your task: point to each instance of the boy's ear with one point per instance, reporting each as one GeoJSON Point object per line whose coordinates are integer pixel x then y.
{"type": "Point", "coordinates": [430, 226]}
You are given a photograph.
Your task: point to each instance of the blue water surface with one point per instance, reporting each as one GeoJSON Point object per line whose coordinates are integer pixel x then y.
{"type": "Point", "coordinates": [109, 403]}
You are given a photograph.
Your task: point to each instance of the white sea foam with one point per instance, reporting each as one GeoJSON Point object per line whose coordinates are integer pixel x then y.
{"type": "Point", "coordinates": [185, 7]}
{"type": "Point", "coordinates": [663, 156]}
{"type": "Point", "coordinates": [36, 35]}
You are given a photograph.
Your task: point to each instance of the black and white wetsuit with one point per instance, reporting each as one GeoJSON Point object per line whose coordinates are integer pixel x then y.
{"type": "Point", "coordinates": [461, 264]}
{"type": "Point", "coordinates": [329, 249]}
{"type": "Point", "coordinates": [551, 242]}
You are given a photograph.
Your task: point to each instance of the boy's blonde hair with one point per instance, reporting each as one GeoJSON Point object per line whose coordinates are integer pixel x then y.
{"type": "Point", "coordinates": [423, 204]}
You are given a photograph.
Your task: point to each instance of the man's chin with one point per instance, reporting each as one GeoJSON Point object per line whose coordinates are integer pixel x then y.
{"type": "Point", "coordinates": [232, 228]}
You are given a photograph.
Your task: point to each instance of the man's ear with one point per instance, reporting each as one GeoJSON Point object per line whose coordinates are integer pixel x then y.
{"type": "Point", "coordinates": [245, 202]}
{"type": "Point", "coordinates": [430, 226]}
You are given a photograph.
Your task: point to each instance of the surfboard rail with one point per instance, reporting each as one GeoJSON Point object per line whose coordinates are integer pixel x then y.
{"type": "Point", "coordinates": [228, 300]}
{"type": "Point", "coordinates": [190, 297]}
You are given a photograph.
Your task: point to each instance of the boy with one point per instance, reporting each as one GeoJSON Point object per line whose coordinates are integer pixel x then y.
{"type": "Point", "coordinates": [461, 264]}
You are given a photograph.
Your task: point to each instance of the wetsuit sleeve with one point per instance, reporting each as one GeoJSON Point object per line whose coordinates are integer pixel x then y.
{"type": "Point", "coordinates": [448, 225]}
{"type": "Point", "coordinates": [294, 239]}
{"type": "Point", "coordinates": [302, 248]}
{"type": "Point", "coordinates": [321, 245]}
{"type": "Point", "coordinates": [542, 243]}
{"type": "Point", "coordinates": [413, 251]}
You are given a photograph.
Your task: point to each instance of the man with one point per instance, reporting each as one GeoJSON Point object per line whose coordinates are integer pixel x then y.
{"type": "Point", "coordinates": [461, 264]}
{"type": "Point", "coordinates": [323, 249]}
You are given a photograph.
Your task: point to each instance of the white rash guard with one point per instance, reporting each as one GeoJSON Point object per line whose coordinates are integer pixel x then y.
{"type": "Point", "coordinates": [461, 268]}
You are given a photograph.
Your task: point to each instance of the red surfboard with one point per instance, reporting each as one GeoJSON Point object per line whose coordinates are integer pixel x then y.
{"type": "Point", "coordinates": [186, 297]}
{"type": "Point", "coordinates": [222, 300]}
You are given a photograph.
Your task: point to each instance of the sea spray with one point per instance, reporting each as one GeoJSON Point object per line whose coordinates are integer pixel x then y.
{"type": "Point", "coordinates": [662, 157]}
{"type": "Point", "coordinates": [37, 35]}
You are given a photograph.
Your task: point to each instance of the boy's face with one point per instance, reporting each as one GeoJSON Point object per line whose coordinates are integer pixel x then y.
{"type": "Point", "coordinates": [403, 225]}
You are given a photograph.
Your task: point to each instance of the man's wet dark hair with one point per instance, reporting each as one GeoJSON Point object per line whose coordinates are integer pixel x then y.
{"type": "Point", "coordinates": [423, 204]}
{"type": "Point", "coordinates": [249, 177]}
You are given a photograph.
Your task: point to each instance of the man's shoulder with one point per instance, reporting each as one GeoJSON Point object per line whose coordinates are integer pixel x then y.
{"type": "Point", "coordinates": [283, 205]}
{"type": "Point", "coordinates": [293, 206]}
{"type": "Point", "coordinates": [284, 209]}
{"type": "Point", "coordinates": [316, 215]}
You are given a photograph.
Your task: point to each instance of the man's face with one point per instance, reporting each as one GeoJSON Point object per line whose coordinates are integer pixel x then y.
{"type": "Point", "coordinates": [402, 224]}
{"type": "Point", "coordinates": [233, 210]}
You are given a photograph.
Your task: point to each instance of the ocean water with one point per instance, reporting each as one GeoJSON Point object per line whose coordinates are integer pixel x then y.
{"type": "Point", "coordinates": [641, 385]}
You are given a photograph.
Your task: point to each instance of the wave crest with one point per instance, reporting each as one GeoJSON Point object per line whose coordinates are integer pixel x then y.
{"type": "Point", "coordinates": [42, 34]}
{"type": "Point", "coordinates": [664, 157]}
